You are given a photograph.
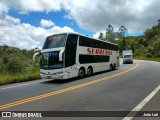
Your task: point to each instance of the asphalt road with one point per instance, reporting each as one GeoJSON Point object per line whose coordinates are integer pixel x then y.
{"type": "Point", "coordinates": [119, 90]}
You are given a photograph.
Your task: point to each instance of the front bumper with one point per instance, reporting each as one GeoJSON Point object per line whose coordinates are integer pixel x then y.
{"type": "Point", "coordinates": [49, 76]}
{"type": "Point", "coordinates": [127, 61]}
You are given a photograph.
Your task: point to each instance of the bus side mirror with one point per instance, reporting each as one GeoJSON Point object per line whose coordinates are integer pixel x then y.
{"type": "Point", "coordinates": [34, 56]}
{"type": "Point", "coordinates": [61, 55]}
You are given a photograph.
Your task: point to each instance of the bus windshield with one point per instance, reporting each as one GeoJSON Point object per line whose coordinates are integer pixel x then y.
{"type": "Point", "coordinates": [50, 60]}
{"type": "Point", "coordinates": [55, 41]}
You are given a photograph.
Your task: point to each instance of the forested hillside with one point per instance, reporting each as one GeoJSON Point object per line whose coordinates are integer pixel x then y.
{"type": "Point", "coordinates": [16, 65]}
{"type": "Point", "coordinates": [147, 45]}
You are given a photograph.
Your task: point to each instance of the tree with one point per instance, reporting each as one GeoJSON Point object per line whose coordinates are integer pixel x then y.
{"type": "Point", "coordinates": [110, 36]}
{"type": "Point", "coordinates": [14, 66]}
{"type": "Point", "coordinates": [5, 47]}
{"type": "Point", "coordinates": [101, 36]}
{"type": "Point", "coordinates": [158, 21]}
{"type": "Point", "coordinates": [122, 31]}
{"type": "Point", "coordinates": [5, 60]}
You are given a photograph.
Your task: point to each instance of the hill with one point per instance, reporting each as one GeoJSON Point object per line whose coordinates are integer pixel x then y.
{"type": "Point", "coordinates": [147, 45]}
{"type": "Point", "coordinates": [16, 65]}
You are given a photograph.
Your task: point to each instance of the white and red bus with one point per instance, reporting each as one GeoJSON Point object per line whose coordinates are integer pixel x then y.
{"type": "Point", "coordinates": [71, 55]}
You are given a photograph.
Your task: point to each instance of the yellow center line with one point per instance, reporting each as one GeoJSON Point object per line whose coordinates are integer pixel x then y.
{"type": "Point", "coordinates": [64, 90]}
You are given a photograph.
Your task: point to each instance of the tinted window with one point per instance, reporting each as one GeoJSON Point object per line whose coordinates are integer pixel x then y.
{"type": "Point", "coordinates": [70, 52]}
{"type": "Point", "coordinates": [127, 56]}
{"type": "Point", "coordinates": [50, 60]}
{"type": "Point", "coordinates": [88, 42]}
{"type": "Point", "coordinates": [93, 58]}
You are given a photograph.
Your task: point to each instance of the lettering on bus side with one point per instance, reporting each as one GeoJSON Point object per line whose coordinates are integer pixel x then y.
{"type": "Point", "coordinates": [98, 51]}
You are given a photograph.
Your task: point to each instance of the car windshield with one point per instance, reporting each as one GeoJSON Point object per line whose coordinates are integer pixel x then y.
{"type": "Point", "coordinates": [50, 60]}
{"type": "Point", "coordinates": [55, 41]}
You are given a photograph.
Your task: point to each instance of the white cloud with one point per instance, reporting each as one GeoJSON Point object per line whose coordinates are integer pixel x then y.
{"type": "Point", "coordinates": [95, 16]}
{"type": "Point", "coordinates": [33, 5]}
{"type": "Point", "coordinates": [24, 35]}
{"type": "Point", "coordinates": [46, 23]}
{"type": "Point", "coordinates": [96, 35]}
{"type": "Point", "coordinates": [3, 9]}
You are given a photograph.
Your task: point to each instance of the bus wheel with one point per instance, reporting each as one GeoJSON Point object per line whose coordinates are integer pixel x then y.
{"type": "Point", "coordinates": [89, 71]}
{"type": "Point", "coordinates": [114, 66]}
{"type": "Point", "coordinates": [111, 67]}
{"type": "Point", "coordinates": [81, 73]}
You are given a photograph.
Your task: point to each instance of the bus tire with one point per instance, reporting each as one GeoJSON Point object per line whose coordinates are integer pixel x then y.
{"type": "Point", "coordinates": [81, 73]}
{"type": "Point", "coordinates": [114, 66]}
{"type": "Point", "coordinates": [89, 71]}
{"type": "Point", "coordinates": [111, 67]}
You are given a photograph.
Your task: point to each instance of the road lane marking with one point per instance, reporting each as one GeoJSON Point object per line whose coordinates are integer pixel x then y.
{"type": "Point", "coordinates": [65, 89]}
{"type": "Point", "coordinates": [20, 85]}
{"type": "Point", "coordinates": [141, 104]}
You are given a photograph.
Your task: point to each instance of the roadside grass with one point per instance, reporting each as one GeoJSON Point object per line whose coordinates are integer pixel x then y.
{"type": "Point", "coordinates": [6, 78]}
{"type": "Point", "coordinates": [150, 59]}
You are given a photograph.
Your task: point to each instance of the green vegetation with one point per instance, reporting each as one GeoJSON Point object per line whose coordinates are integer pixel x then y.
{"type": "Point", "coordinates": [146, 47]}
{"type": "Point", "coordinates": [150, 59]}
{"type": "Point", "coordinates": [7, 78]}
{"type": "Point", "coordinates": [16, 65]}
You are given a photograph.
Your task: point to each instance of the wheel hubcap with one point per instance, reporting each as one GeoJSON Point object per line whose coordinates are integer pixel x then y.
{"type": "Point", "coordinates": [89, 71]}
{"type": "Point", "coordinates": [81, 73]}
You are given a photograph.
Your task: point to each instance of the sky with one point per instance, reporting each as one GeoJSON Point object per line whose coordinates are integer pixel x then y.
{"type": "Point", "coordinates": [26, 23]}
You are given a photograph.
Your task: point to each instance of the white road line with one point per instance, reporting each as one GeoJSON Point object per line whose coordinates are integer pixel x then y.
{"type": "Point", "coordinates": [20, 84]}
{"type": "Point", "coordinates": [141, 104]}
{"type": "Point", "coordinates": [17, 85]}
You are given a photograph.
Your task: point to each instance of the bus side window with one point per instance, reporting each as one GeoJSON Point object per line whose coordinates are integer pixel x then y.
{"type": "Point", "coordinates": [70, 52]}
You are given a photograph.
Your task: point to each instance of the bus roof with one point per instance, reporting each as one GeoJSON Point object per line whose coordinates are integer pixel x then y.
{"type": "Point", "coordinates": [83, 36]}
